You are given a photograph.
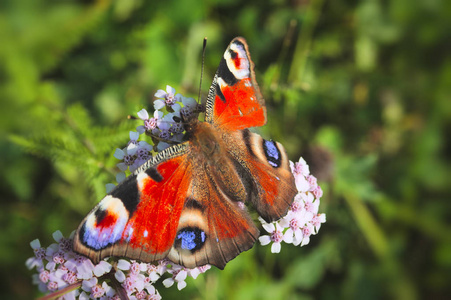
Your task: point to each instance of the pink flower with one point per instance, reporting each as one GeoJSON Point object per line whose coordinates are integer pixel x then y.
{"type": "Point", "coordinates": [149, 123]}
{"type": "Point", "coordinates": [39, 253]}
{"type": "Point", "coordinates": [310, 204]}
{"type": "Point", "coordinates": [307, 230]}
{"type": "Point", "coordinates": [80, 265]}
{"type": "Point", "coordinates": [275, 236]}
{"type": "Point", "coordinates": [317, 220]}
{"type": "Point", "coordinates": [168, 96]}
{"type": "Point", "coordinates": [97, 291]}
{"type": "Point", "coordinates": [312, 182]}
{"type": "Point", "coordinates": [44, 276]}
{"type": "Point", "coordinates": [318, 192]}
{"type": "Point", "coordinates": [300, 168]}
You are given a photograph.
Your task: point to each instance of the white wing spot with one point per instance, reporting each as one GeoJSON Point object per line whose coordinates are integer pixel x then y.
{"type": "Point", "coordinates": [146, 233]}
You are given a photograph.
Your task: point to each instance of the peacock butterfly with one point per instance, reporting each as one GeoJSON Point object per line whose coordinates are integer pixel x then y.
{"type": "Point", "coordinates": [187, 203]}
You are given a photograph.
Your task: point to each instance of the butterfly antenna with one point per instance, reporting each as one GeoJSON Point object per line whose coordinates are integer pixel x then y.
{"type": "Point", "coordinates": [202, 69]}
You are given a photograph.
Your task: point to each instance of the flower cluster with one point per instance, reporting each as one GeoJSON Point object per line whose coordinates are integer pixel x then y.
{"type": "Point", "coordinates": [164, 128]}
{"type": "Point", "coordinates": [302, 219]}
{"type": "Point", "coordinates": [59, 268]}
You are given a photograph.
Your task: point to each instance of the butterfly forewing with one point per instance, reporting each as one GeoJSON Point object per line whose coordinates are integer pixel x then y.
{"type": "Point", "coordinates": [139, 218]}
{"type": "Point", "coordinates": [234, 100]}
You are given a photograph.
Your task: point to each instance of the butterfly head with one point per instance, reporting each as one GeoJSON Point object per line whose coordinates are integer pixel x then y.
{"type": "Point", "coordinates": [190, 119]}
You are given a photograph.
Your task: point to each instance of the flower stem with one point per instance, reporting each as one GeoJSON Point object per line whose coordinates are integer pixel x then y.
{"type": "Point", "coordinates": [62, 292]}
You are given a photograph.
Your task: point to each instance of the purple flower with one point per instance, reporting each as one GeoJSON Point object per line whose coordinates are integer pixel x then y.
{"type": "Point", "coordinates": [149, 123]}
{"type": "Point", "coordinates": [168, 96]}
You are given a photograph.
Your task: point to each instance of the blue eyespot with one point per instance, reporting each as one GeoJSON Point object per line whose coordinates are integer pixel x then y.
{"type": "Point", "coordinates": [272, 153]}
{"type": "Point", "coordinates": [190, 238]}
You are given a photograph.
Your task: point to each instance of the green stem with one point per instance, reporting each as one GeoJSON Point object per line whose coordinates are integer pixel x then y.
{"type": "Point", "coordinates": [62, 292]}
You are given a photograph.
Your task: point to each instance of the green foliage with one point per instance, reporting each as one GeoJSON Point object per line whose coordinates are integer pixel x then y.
{"type": "Point", "coordinates": [361, 89]}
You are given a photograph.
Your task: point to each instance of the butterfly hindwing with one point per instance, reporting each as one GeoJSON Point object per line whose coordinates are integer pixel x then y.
{"type": "Point", "coordinates": [213, 228]}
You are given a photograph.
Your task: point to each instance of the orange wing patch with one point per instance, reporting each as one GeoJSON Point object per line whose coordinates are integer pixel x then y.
{"type": "Point", "coordinates": [154, 225]}
{"type": "Point", "coordinates": [241, 108]}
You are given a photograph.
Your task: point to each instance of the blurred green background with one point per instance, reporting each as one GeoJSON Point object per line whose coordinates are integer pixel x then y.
{"type": "Point", "coordinates": [361, 89]}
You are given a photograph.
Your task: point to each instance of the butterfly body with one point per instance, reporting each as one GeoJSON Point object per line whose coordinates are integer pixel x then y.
{"type": "Point", "coordinates": [188, 203]}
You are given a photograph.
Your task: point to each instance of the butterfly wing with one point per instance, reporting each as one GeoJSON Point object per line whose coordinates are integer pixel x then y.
{"type": "Point", "coordinates": [234, 99]}
{"type": "Point", "coordinates": [264, 165]}
{"type": "Point", "coordinates": [139, 218]}
{"type": "Point", "coordinates": [234, 104]}
{"type": "Point", "coordinates": [213, 228]}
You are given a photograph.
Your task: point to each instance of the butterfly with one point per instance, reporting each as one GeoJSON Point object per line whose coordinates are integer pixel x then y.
{"type": "Point", "coordinates": [188, 203]}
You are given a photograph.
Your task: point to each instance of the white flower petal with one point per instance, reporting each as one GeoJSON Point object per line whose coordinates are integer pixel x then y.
{"type": "Point", "coordinates": [131, 149]}
{"type": "Point", "coordinates": [194, 273]}
{"type": "Point", "coordinates": [170, 90]}
{"type": "Point", "coordinates": [109, 291]}
{"type": "Point", "coordinates": [179, 98]}
{"type": "Point", "coordinates": [119, 275]}
{"type": "Point", "coordinates": [302, 184]}
{"type": "Point", "coordinates": [160, 94]}
{"type": "Point", "coordinates": [158, 114]}
{"type": "Point", "coordinates": [176, 107]}
{"type": "Point", "coordinates": [158, 104]}
{"type": "Point", "coordinates": [189, 102]}
{"type": "Point", "coordinates": [264, 240]}
{"type": "Point", "coordinates": [84, 296]}
{"type": "Point", "coordinates": [101, 268]}
{"type": "Point", "coordinates": [145, 145]}
{"type": "Point", "coordinates": [109, 187]}
{"type": "Point", "coordinates": [57, 236]}
{"type": "Point", "coordinates": [120, 177]}
{"type": "Point", "coordinates": [122, 264]}
{"type": "Point", "coordinates": [161, 146]}
{"type": "Point", "coordinates": [119, 153]}
{"type": "Point", "coordinates": [143, 114]}
{"type": "Point", "coordinates": [288, 236]}
{"type": "Point", "coordinates": [305, 240]}
{"type": "Point", "coordinates": [181, 285]}
{"type": "Point", "coordinates": [141, 129]}
{"type": "Point", "coordinates": [275, 248]}
{"type": "Point", "coordinates": [154, 276]}
{"type": "Point", "coordinates": [181, 276]}
{"type": "Point", "coordinates": [35, 244]}
{"type": "Point", "coordinates": [298, 235]}
{"type": "Point", "coordinates": [168, 282]}
{"type": "Point", "coordinates": [122, 166]}
{"type": "Point", "coordinates": [139, 283]}
{"type": "Point", "coordinates": [269, 227]}
{"type": "Point", "coordinates": [297, 241]}
{"type": "Point", "coordinates": [134, 135]}
{"type": "Point", "coordinates": [88, 284]}
{"type": "Point", "coordinates": [150, 289]}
